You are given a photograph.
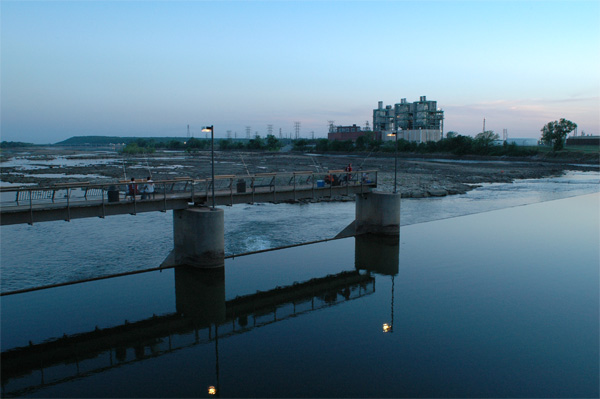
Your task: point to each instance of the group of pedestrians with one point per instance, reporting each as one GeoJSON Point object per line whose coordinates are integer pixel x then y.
{"type": "Point", "coordinates": [147, 189]}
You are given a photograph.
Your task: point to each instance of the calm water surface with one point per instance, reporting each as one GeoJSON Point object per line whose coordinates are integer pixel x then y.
{"type": "Point", "coordinates": [497, 304]}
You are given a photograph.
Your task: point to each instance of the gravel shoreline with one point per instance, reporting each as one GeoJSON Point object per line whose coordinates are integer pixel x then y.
{"type": "Point", "coordinates": [417, 176]}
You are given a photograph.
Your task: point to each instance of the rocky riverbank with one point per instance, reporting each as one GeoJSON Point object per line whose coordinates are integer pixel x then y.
{"type": "Point", "coordinates": [416, 177]}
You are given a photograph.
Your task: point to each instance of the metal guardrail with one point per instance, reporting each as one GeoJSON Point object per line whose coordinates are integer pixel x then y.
{"type": "Point", "coordinates": [66, 195]}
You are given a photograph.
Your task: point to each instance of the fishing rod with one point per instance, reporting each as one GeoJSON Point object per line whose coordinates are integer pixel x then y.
{"type": "Point", "coordinates": [148, 165]}
{"type": "Point", "coordinates": [244, 163]}
{"type": "Point", "coordinates": [364, 160]}
{"type": "Point", "coordinates": [318, 166]}
{"type": "Point", "coordinates": [124, 174]}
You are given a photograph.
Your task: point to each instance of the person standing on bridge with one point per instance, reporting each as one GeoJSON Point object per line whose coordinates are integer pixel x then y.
{"type": "Point", "coordinates": [132, 189]}
{"type": "Point", "coordinates": [148, 189]}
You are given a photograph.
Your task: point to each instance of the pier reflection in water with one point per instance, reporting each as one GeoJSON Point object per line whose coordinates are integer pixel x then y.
{"type": "Point", "coordinates": [202, 316]}
{"type": "Point", "coordinates": [480, 306]}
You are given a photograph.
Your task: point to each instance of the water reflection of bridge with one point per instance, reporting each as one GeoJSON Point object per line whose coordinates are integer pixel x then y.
{"type": "Point", "coordinates": [202, 316]}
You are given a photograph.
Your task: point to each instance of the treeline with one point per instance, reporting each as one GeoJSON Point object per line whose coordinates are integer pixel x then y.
{"type": "Point", "coordinates": [482, 144]}
{"type": "Point", "coordinates": [15, 144]}
{"type": "Point", "coordinates": [110, 140]}
{"type": "Point", "coordinates": [148, 146]}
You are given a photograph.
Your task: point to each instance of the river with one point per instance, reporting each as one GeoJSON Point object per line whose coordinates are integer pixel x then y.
{"type": "Point", "coordinates": [57, 252]}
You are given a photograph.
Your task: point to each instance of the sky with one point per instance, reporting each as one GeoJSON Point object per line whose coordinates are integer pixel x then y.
{"type": "Point", "coordinates": [151, 68]}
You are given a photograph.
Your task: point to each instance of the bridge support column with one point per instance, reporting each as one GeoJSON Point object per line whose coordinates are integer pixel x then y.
{"type": "Point", "coordinates": [199, 235]}
{"type": "Point", "coordinates": [378, 213]}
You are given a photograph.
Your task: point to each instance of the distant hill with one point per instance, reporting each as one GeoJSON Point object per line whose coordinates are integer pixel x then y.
{"type": "Point", "coordinates": [106, 140]}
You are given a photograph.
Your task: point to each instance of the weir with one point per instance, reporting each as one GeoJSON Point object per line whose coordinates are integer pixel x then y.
{"type": "Point", "coordinates": [199, 233]}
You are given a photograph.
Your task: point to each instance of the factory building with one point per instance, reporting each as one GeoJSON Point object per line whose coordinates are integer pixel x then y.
{"type": "Point", "coordinates": [343, 133]}
{"type": "Point", "coordinates": [419, 121]}
{"type": "Point", "coordinates": [583, 140]}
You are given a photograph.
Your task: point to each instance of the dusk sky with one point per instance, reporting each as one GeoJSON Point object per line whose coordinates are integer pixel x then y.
{"type": "Point", "coordinates": [142, 68]}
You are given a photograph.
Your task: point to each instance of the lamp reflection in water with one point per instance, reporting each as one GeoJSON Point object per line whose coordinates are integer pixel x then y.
{"type": "Point", "coordinates": [200, 297]}
{"type": "Point", "coordinates": [379, 254]}
{"type": "Point", "coordinates": [390, 327]}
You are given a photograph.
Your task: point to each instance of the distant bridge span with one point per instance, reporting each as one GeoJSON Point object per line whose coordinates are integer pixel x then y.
{"type": "Point", "coordinates": [66, 201]}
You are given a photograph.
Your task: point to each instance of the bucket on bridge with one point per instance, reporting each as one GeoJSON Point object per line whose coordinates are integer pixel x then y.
{"type": "Point", "coordinates": [113, 194]}
{"type": "Point", "coordinates": [241, 186]}
{"type": "Point", "coordinates": [320, 183]}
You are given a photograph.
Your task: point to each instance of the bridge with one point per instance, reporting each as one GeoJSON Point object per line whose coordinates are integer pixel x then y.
{"type": "Point", "coordinates": [67, 201]}
{"type": "Point", "coordinates": [199, 229]}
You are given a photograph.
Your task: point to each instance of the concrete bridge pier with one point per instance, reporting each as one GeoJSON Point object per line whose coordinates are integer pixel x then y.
{"type": "Point", "coordinates": [199, 237]}
{"type": "Point", "coordinates": [378, 213]}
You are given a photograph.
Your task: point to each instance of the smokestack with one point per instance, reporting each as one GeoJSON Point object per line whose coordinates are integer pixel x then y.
{"type": "Point", "coordinates": [380, 106]}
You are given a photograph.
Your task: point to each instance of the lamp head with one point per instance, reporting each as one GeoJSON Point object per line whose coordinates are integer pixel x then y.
{"type": "Point", "coordinates": [207, 129]}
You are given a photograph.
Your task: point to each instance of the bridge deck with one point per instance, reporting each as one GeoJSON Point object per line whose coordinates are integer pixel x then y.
{"type": "Point", "coordinates": [81, 200]}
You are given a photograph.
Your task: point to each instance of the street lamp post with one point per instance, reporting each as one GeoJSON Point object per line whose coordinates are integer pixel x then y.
{"type": "Point", "coordinates": [396, 163]}
{"type": "Point", "coordinates": [212, 158]}
{"type": "Point", "coordinates": [395, 134]}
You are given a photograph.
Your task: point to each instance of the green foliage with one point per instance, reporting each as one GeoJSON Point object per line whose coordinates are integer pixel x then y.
{"type": "Point", "coordinates": [14, 144]}
{"type": "Point", "coordinates": [175, 145]}
{"type": "Point", "coordinates": [486, 138]}
{"type": "Point", "coordinates": [322, 145]}
{"type": "Point", "coordinates": [483, 142]}
{"type": "Point", "coordinates": [134, 149]}
{"type": "Point", "coordinates": [300, 145]}
{"type": "Point", "coordinates": [106, 140]}
{"type": "Point", "coordinates": [459, 145]}
{"type": "Point", "coordinates": [272, 143]}
{"type": "Point", "coordinates": [367, 142]}
{"type": "Point", "coordinates": [230, 144]}
{"type": "Point", "coordinates": [555, 133]}
{"type": "Point", "coordinates": [257, 143]}
{"type": "Point", "coordinates": [194, 144]}
{"type": "Point", "coordinates": [345, 146]}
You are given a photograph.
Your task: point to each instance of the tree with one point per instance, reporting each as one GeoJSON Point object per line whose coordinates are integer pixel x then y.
{"type": "Point", "coordinates": [257, 143]}
{"type": "Point", "coordinates": [300, 145]}
{"type": "Point", "coordinates": [554, 133]}
{"type": "Point", "coordinates": [487, 137]}
{"type": "Point", "coordinates": [322, 145]}
{"type": "Point", "coordinates": [272, 143]}
{"type": "Point", "coordinates": [483, 141]}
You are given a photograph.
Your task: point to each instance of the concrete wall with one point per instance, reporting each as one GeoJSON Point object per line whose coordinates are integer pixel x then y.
{"type": "Point", "coordinates": [199, 237]}
{"type": "Point", "coordinates": [378, 213]}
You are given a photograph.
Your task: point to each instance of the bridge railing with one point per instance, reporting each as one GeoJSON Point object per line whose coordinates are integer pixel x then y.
{"type": "Point", "coordinates": [67, 194]}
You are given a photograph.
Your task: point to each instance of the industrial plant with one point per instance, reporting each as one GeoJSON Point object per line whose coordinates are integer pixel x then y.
{"type": "Point", "coordinates": [420, 121]}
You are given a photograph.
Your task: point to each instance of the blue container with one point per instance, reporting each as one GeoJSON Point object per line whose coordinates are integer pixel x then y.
{"type": "Point", "coordinates": [320, 183]}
